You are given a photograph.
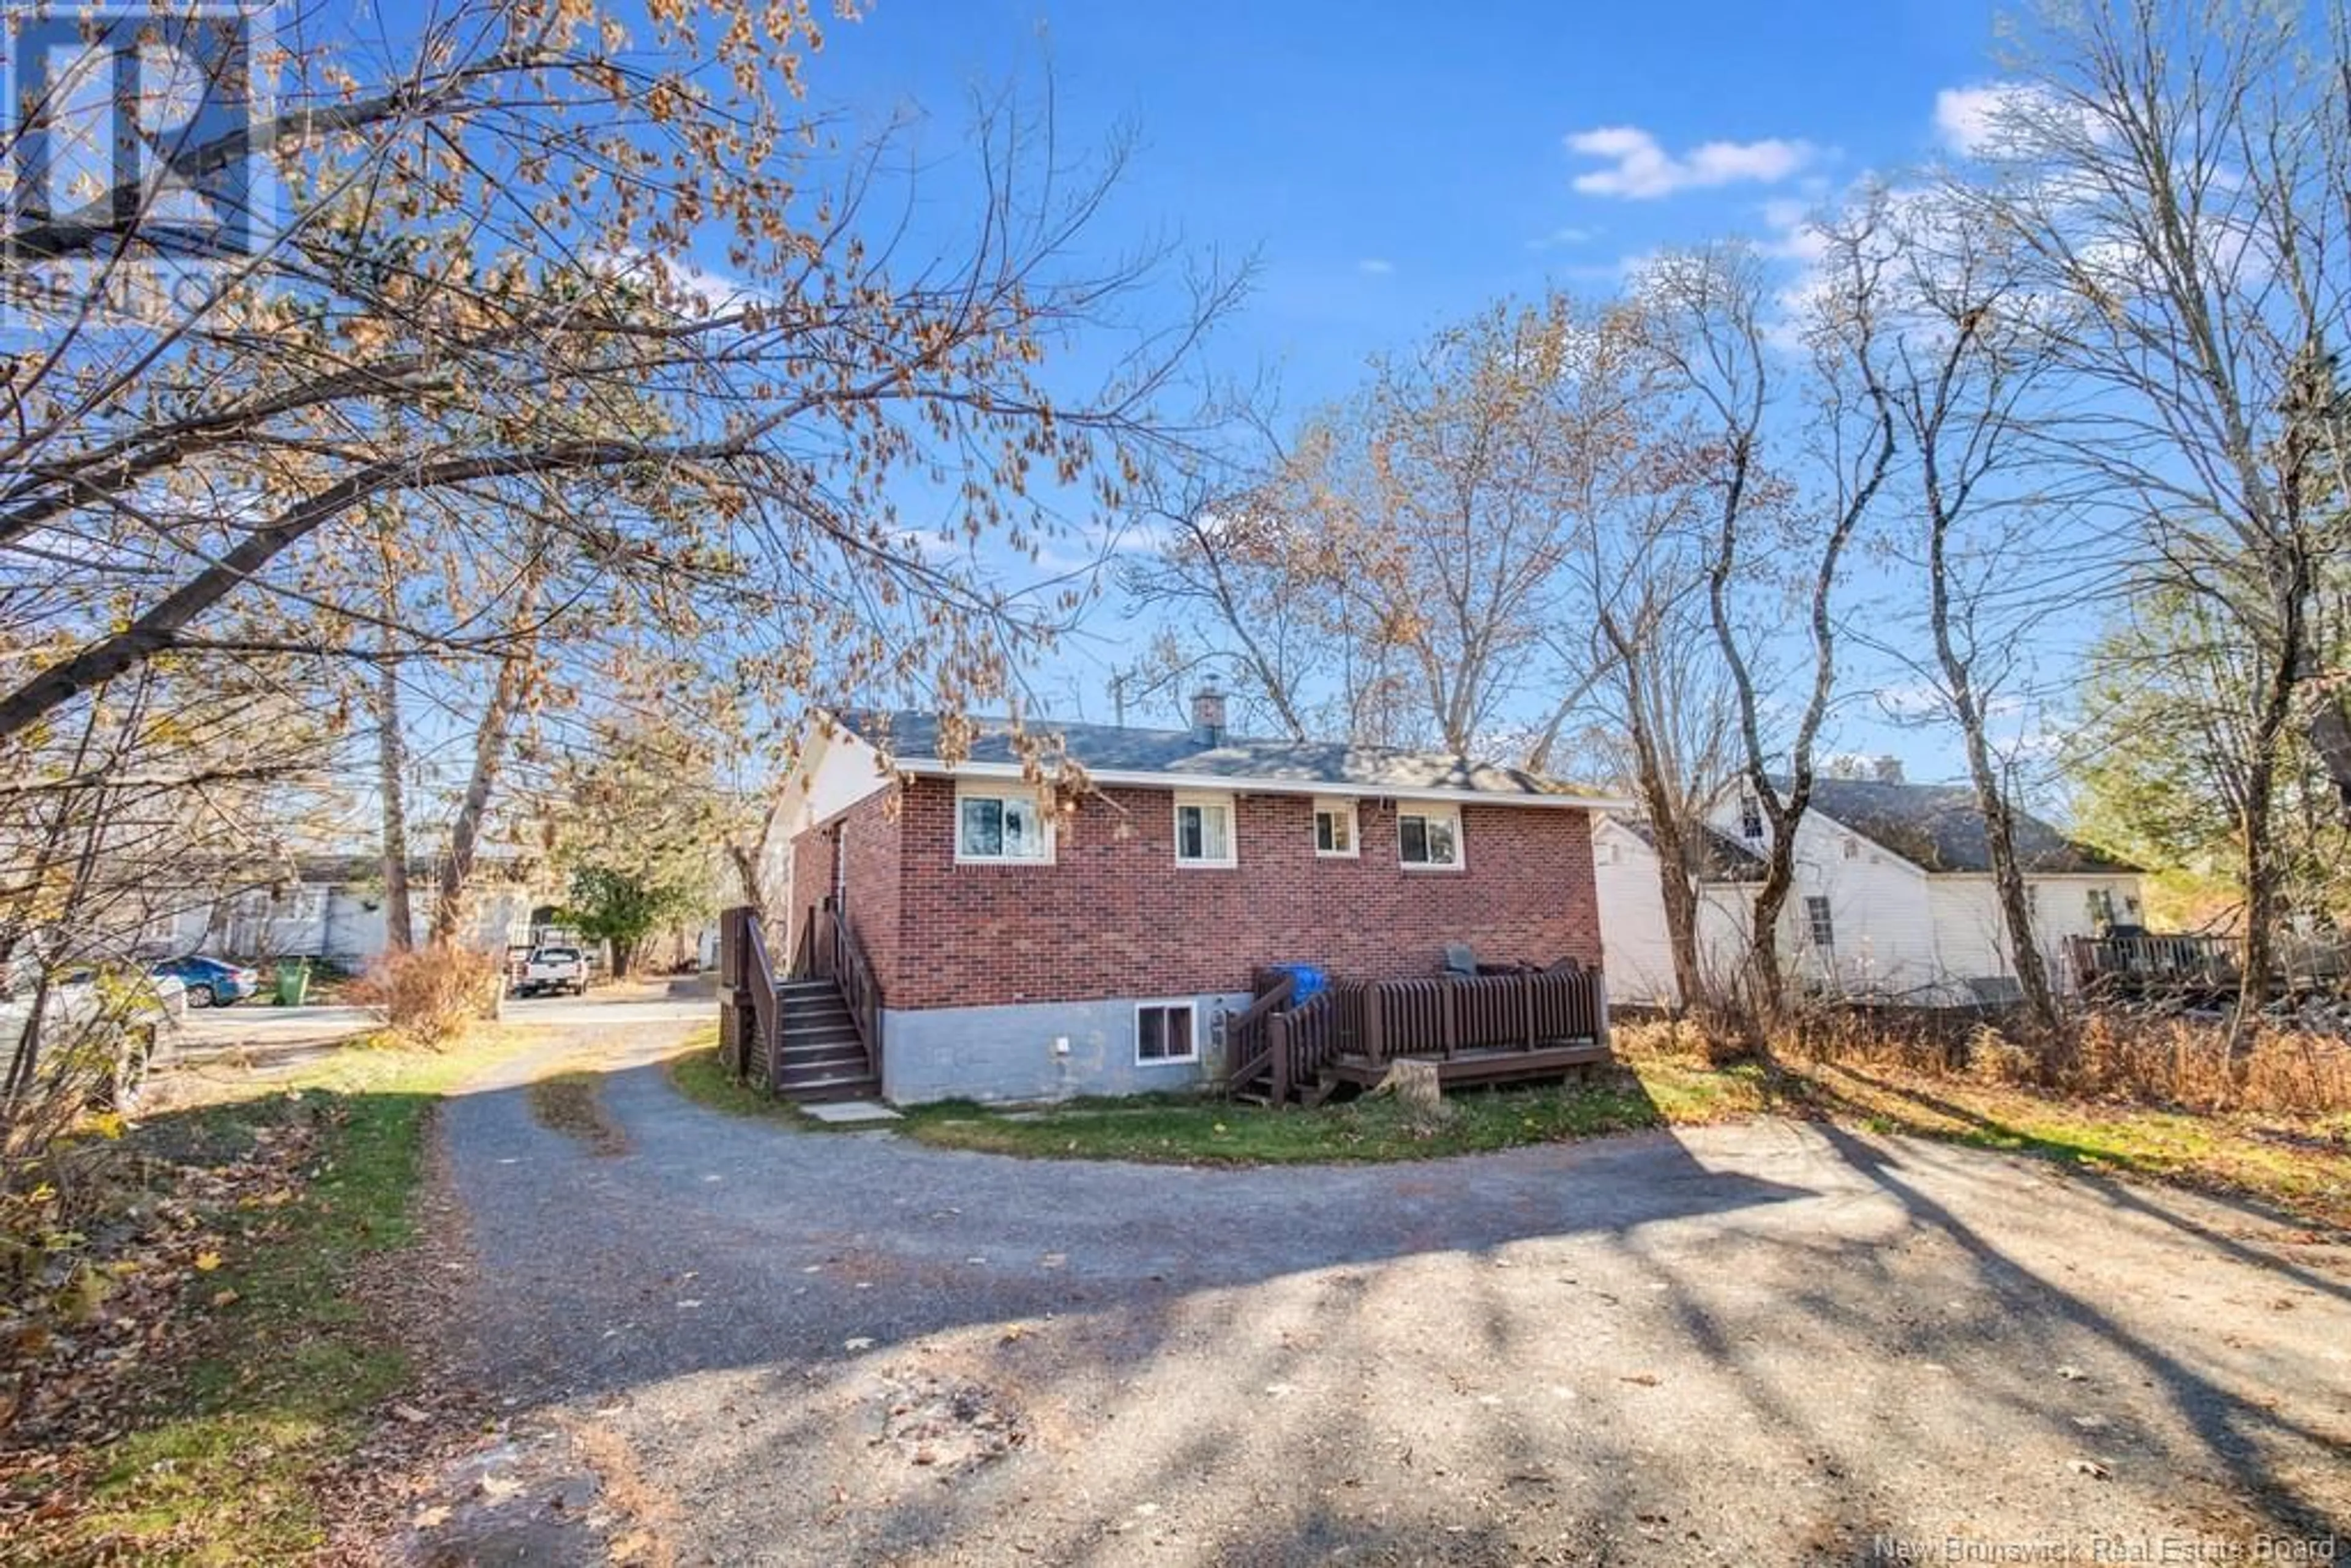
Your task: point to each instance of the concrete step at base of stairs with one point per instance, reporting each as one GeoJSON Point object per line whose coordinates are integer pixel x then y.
{"type": "Point", "coordinates": [822, 1090]}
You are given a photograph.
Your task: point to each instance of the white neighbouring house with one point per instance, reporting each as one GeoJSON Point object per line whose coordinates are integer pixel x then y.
{"type": "Point", "coordinates": [328, 907]}
{"type": "Point", "coordinates": [1892, 898]}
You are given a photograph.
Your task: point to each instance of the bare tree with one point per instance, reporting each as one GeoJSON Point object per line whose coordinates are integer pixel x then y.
{"type": "Point", "coordinates": [1781, 529]}
{"type": "Point", "coordinates": [478, 299]}
{"type": "Point", "coordinates": [1255, 591]}
{"type": "Point", "coordinates": [1443, 492]}
{"type": "Point", "coordinates": [2172, 172]}
{"type": "Point", "coordinates": [1996, 541]}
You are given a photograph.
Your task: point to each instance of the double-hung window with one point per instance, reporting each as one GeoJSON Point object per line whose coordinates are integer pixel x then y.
{"type": "Point", "coordinates": [1002, 825]}
{"type": "Point", "coordinates": [1430, 836]}
{"type": "Point", "coordinates": [1334, 828]}
{"type": "Point", "coordinates": [1751, 819]}
{"type": "Point", "coordinates": [1204, 831]}
{"type": "Point", "coordinates": [1818, 925]}
{"type": "Point", "coordinates": [1163, 1032]}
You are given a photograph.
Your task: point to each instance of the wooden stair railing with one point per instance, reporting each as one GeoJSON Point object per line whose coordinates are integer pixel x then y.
{"type": "Point", "coordinates": [838, 955]}
{"type": "Point", "coordinates": [1303, 1039]}
{"type": "Point", "coordinates": [750, 1015]}
{"type": "Point", "coordinates": [1248, 1049]}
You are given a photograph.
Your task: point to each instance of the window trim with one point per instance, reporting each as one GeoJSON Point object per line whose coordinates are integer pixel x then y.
{"type": "Point", "coordinates": [1337, 806]}
{"type": "Point", "coordinates": [1426, 810]}
{"type": "Point", "coordinates": [1229, 804]}
{"type": "Point", "coordinates": [1827, 916]}
{"type": "Point", "coordinates": [1751, 826]}
{"type": "Point", "coordinates": [1191, 1005]}
{"type": "Point", "coordinates": [1006, 793]}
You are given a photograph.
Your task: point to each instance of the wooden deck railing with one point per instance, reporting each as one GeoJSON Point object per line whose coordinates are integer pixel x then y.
{"type": "Point", "coordinates": [2196, 962]}
{"type": "Point", "coordinates": [1444, 1015]}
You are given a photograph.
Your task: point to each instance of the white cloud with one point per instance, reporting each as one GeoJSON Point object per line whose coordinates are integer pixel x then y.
{"type": "Point", "coordinates": [678, 281]}
{"type": "Point", "coordinates": [1641, 169]}
{"type": "Point", "coordinates": [1376, 266]}
{"type": "Point", "coordinates": [1967, 119]}
{"type": "Point", "coordinates": [1994, 119]}
{"type": "Point", "coordinates": [1795, 233]}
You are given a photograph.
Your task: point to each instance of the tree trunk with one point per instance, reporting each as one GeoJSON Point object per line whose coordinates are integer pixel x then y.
{"type": "Point", "coordinates": [490, 738]}
{"type": "Point", "coordinates": [399, 930]}
{"type": "Point", "coordinates": [2291, 590]}
{"type": "Point", "coordinates": [1992, 801]}
{"type": "Point", "coordinates": [1668, 826]}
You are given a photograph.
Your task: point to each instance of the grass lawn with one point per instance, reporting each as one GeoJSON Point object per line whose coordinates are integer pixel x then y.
{"type": "Point", "coordinates": [284, 1371]}
{"type": "Point", "coordinates": [2303, 1166]}
{"type": "Point", "coordinates": [2304, 1169]}
{"type": "Point", "coordinates": [696, 1072]}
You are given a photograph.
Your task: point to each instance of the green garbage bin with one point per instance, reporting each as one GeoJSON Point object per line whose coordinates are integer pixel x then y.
{"type": "Point", "coordinates": [293, 981]}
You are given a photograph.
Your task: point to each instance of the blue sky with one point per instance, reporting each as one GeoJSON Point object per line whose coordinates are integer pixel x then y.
{"type": "Point", "coordinates": [1397, 166]}
{"type": "Point", "coordinates": [1393, 167]}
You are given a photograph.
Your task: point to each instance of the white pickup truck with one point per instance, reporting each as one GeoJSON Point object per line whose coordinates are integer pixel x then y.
{"type": "Point", "coordinates": [553, 969]}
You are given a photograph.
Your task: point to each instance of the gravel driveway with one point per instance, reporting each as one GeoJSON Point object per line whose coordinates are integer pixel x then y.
{"type": "Point", "coordinates": [1770, 1343]}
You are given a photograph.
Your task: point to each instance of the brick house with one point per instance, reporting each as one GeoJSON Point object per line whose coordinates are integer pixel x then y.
{"type": "Point", "coordinates": [1035, 944]}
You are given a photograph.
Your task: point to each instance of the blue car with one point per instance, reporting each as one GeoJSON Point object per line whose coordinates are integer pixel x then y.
{"type": "Point", "coordinates": [211, 982]}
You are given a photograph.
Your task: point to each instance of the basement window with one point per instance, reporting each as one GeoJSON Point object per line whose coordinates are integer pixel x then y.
{"type": "Point", "coordinates": [1430, 836]}
{"type": "Point", "coordinates": [1334, 829]}
{"type": "Point", "coordinates": [1163, 1032]}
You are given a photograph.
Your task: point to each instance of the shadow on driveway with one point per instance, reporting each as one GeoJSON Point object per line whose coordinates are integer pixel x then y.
{"type": "Point", "coordinates": [1779, 1342]}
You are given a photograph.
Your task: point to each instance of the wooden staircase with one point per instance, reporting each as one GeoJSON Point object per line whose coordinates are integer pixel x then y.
{"type": "Point", "coordinates": [823, 1057]}
{"type": "Point", "coordinates": [811, 1036]}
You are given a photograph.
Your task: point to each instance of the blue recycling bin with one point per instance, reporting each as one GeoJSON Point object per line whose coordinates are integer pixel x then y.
{"type": "Point", "coordinates": [1306, 981]}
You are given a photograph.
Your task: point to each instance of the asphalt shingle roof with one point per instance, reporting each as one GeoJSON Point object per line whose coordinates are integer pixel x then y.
{"type": "Point", "coordinates": [1939, 827]}
{"type": "Point", "coordinates": [910, 736]}
{"type": "Point", "coordinates": [1719, 857]}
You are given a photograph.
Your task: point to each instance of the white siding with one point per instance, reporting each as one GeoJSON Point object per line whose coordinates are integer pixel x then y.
{"type": "Point", "coordinates": [1882, 928]}
{"type": "Point", "coordinates": [1974, 936]}
{"type": "Point", "coordinates": [1636, 957]}
{"type": "Point", "coordinates": [1898, 932]}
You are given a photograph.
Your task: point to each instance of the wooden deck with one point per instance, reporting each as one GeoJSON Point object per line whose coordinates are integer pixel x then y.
{"type": "Point", "coordinates": [1515, 1026]}
{"type": "Point", "coordinates": [1464, 1069]}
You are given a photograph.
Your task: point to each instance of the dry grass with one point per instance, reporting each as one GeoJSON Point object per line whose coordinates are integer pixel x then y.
{"type": "Point", "coordinates": [572, 1103]}
{"type": "Point", "coordinates": [431, 997]}
{"type": "Point", "coordinates": [2168, 1063]}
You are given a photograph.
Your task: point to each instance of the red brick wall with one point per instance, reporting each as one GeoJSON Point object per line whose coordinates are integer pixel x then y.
{"type": "Point", "coordinates": [867, 833]}
{"type": "Point", "coordinates": [1115, 916]}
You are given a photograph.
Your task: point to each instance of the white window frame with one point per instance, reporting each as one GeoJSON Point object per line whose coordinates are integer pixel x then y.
{"type": "Point", "coordinates": [1431, 810]}
{"type": "Point", "coordinates": [1827, 916]}
{"type": "Point", "coordinates": [1340, 811]}
{"type": "Point", "coordinates": [1201, 800]}
{"type": "Point", "coordinates": [1751, 826]}
{"type": "Point", "coordinates": [1007, 793]}
{"type": "Point", "coordinates": [1191, 1005]}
